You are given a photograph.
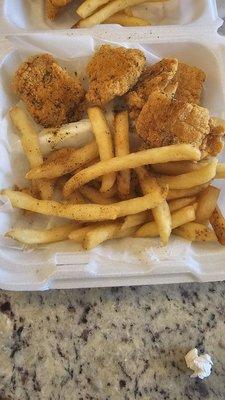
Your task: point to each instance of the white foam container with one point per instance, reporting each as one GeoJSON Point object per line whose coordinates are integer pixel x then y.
{"type": "Point", "coordinates": [28, 15]}
{"type": "Point", "coordinates": [126, 261]}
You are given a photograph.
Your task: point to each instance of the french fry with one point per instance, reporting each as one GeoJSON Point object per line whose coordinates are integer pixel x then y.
{"type": "Point", "coordinates": [195, 232]}
{"type": "Point", "coordinates": [45, 188]}
{"type": "Point", "coordinates": [180, 203]}
{"type": "Point", "coordinates": [34, 236]}
{"type": "Point", "coordinates": [217, 221]}
{"type": "Point", "coordinates": [106, 11]}
{"type": "Point", "coordinates": [28, 136]}
{"type": "Point", "coordinates": [175, 167]}
{"type": "Point", "coordinates": [84, 212]}
{"type": "Point", "coordinates": [179, 193]}
{"type": "Point", "coordinates": [190, 179]}
{"type": "Point", "coordinates": [220, 171]}
{"type": "Point", "coordinates": [161, 213]}
{"type": "Point", "coordinates": [207, 201]}
{"type": "Point", "coordinates": [128, 11]}
{"type": "Point", "coordinates": [126, 20]}
{"type": "Point", "coordinates": [30, 144]}
{"type": "Point", "coordinates": [89, 6]}
{"type": "Point", "coordinates": [111, 192]}
{"type": "Point", "coordinates": [134, 220]}
{"type": "Point", "coordinates": [76, 198]}
{"type": "Point", "coordinates": [100, 234]}
{"type": "Point", "coordinates": [132, 160]}
{"type": "Point", "coordinates": [95, 196]}
{"type": "Point", "coordinates": [104, 141]}
{"type": "Point", "coordinates": [66, 162]}
{"type": "Point", "coordinates": [78, 235]}
{"type": "Point", "coordinates": [179, 217]}
{"type": "Point", "coordinates": [121, 141]}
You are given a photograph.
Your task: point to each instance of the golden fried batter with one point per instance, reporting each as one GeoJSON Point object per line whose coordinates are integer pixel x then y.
{"type": "Point", "coordinates": [154, 77]}
{"type": "Point", "coordinates": [112, 72]}
{"type": "Point", "coordinates": [165, 120]}
{"type": "Point", "coordinates": [51, 10]}
{"type": "Point", "coordinates": [190, 83]}
{"type": "Point", "coordinates": [213, 142]}
{"type": "Point", "coordinates": [51, 95]}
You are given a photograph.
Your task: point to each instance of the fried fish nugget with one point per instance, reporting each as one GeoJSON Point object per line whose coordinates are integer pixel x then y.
{"type": "Point", "coordinates": [164, 121]}
{"type": "Point", "coordinates": [51, 10]}
{"type": "Point", "coordinates": [156, 76]}
{"type": "Point", "coordinates": [190, 83]}
{"type": "Point", "coordinates": [112, 72]}
{"type": "Point", "coordinates": [213, 141]}
{"type": "Point", "coordinates": [51, 95]}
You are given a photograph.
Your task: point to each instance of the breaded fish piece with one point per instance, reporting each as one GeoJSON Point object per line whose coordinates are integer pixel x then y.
{"type": "Point", "coordinates": [53, 7]}
{"type": "Point", "coordinates": [51, 10]}
{"type": "Point", "coordinates": [213, 141]}
{"type": "Point", "coordinates": [164, 121]}
{"type": "Point", "coordinates": [51, 95]}
{"type": "Point", "coordinates": [112, 72]}
{"type": "Point", "coordinates": [190, 83]}
{"type": "Point", "coordinates": [156, 76]}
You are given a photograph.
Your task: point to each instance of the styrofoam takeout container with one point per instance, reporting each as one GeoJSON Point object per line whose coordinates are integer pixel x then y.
{"type": "Point", "coordinates": [126, 261]}
{"type": "Point", "coordinates": [28, 15]}
{"type": "Point", "coordinates": [119, 262]}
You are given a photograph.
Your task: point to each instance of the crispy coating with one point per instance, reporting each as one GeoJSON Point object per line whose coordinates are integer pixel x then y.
{"type": "Point", "coordinates": [156, 76]}
{"type": "Point", "coordinates": [213, 141]}
{"type": "Point", "coordinates": [164, 121]}
{"type": "Point", "coordinates": [112, 72]}
{"type": "Point", "coordinates": [51, 10]}
{"type": "Point", "coordinates": [190, 83]}
{"type": "Point", "coordinates": [51, 95]}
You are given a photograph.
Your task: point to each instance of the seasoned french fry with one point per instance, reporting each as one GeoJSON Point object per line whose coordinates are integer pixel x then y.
{"type": "Point", "coordinates": [134, 220]}
{"type": "Point", "coordinates": [104, 141]}
{"type": "Point", "coordinates": [195, 232]}
{"type": "Point", "coordinates": [95, 196]}
{"type": "Point", "coordinates": [121, 141]}
{"type": "Point", "coordinates": [132, 160]}
{"type": "Point", "coordinates": [161, 213]}
{"type": "Point", "coordinates": [28, 136]}
{"type": "Point", "coordinates": [179, 217]}
{"type": "Point", "coordinates": [126, 20]}
{"type": "Point", "coordinates": [89, 6]}
{"type": "Point", "coordinates": [190, 179]}
{"type": "Point", "coordinates": [207, 201]}
{"type": "Point", "coordinates": [179, 193]}
{"type": "Point", "coordinates": [111, 192]}
{"type": "Point", "coordinates": [76, 198]}
{"type": "Point", "coordinates": [180, 203]}
{"type": "Point", "coordinates": [220, 171]}
{"type": "Point", "coordinates": [30, 144]}
{"type": "Point", "coordinates": [84, 212]}
{"type": "Point", "coordinates": [45, 188]}
{"type": "Point", "coordinates": [100, 234]}
{"type": "Point", "coordinates": [217, 221]}
{"type": "Point", "coordinates": [128, 11]}
{"type": "Point", "coordinates": [175, 167]}
{"type": "Point", "coordinates": [106, 11]}
{"type": "Point", "coordinates": [40, 236]}
{"type": "Point", "coordinates": [78, 235]}
{"type": "Point", "coordinates": [66, 162]}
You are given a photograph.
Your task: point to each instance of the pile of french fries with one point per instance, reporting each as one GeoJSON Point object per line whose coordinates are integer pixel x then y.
{"type": "Point", "coordinates": [108, 192]}
{"type": "Point", "coordinates": [94, 12]}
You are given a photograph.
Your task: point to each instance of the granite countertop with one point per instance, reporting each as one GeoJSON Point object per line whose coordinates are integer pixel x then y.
{"type": "Point", "coordinates": [111, 344]}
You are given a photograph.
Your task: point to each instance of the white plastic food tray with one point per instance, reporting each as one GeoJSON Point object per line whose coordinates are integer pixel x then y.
{"type": "Point", "coordinates": [28, 15]}
{"type": "Point", "coordinates": [183, 28]}
{"type": "Point", "coordinates": [126, 261]}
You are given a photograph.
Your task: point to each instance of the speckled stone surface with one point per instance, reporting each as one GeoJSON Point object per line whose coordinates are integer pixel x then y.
{"type": "Point", "coordinates": [111, 344]}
